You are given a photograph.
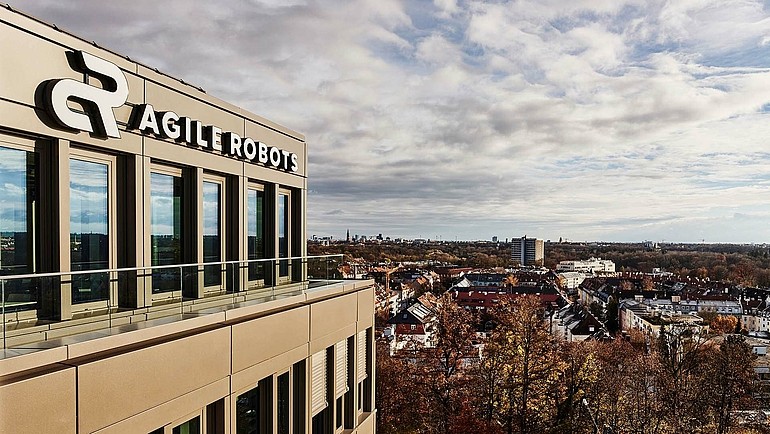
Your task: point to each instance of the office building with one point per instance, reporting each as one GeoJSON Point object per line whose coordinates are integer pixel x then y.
{"type": "Point", "coordinates": [154, 272]}
{"type": "Point", "coordinates": [527, 251]}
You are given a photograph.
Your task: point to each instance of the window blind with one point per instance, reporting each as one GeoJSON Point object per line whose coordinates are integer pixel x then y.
{"type": "Point", "coordinates": [361, 359]}
{"type": "Point", "coordinates": [318, 382]}
{"type": "Point", "coordinates": [340, 368]}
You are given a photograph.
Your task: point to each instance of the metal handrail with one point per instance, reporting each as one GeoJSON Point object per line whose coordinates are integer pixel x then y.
{"type": "Point", "coordinates": [158, 267]}
{"type": "Point", "coordinates": [4, 279]}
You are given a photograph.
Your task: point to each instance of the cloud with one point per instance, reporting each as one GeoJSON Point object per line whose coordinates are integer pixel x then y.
{"type": "Point", "coordinates": [615, 120]}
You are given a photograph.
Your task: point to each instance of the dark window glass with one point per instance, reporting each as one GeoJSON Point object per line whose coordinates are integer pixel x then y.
{"type": "Point", "coordinates": [192, 426]}
{"type": "Point", "coordinates": [339, 412]}
{"type": "Point", "coordinates": [283, 227]}
{"type": "Point", "coordinates": [256, 233]}
{"type": "Point", "coordinates": [283, 403]}
{"type": "Point", "coordinates": [212, 230]}
{"type": "Point", "coordinates": [89, 229]}
{"type": "Point", "coordinates": [247, 412]}
{"type": "Point", "coordinates": [166, 236]}
{"type": "Point", "coordinates": [18, 192]}
{"type": "Point", "coordinates": [361, 396]}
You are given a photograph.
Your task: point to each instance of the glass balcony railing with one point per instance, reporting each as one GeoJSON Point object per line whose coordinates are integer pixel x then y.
{"type": "Point", "coordinates": [27, 300]}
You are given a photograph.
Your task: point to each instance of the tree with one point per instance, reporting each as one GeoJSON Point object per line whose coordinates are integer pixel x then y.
{"type": "Point", "coordinates": [395, 415]}
{"type": "Point", "coordinates": [526, 357]}
{"type": "Point", "coordinates": [624, 398]}
{"type": "Point", "coordinates": [580, 374]}
{"type": "Point", "coordinates": [440, 371]}
{"type": "Point", "coordinates": [680, 360]}
{"type": "Point", "coordinates": [723, 324]}
{"type": "Point", "coordinates": [511, 280]}
{"type": "Point", "coordinates": [648, 284]}
{"type": "Point", "coordinates": [729, 379]}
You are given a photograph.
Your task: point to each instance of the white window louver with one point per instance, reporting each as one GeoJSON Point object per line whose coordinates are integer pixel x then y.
{"type": "Point", "coordinates": [361, 359]}
{"type": "Point", "coordinates": [318, 383]}
{"type": "Point", "coordinates": [340, 368]}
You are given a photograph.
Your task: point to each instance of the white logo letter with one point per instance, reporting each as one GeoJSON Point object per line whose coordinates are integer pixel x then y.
{"type": "Point", "coordinates": [97, 102]}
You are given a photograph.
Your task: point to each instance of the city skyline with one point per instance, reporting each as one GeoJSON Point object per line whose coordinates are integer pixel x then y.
{"type": "Point", "coordinates": [613, 121]}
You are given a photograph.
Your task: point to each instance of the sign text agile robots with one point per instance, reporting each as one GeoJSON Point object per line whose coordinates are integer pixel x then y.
{"type": "Point", "coordinates": [169, 125]}
{"type": "Point", "coordinates": [98, 117]}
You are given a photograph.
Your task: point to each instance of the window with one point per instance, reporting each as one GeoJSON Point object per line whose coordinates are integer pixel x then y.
{"type": "Point", "coordinates": [167, 231]}
{"type": "Point", "coordinates": [284, 409]}
{"type": "Point", "coordinates": [209, 420]}
{"type": "Point", "coordinates": [18, 224]}
{"type": "Point", "coordinates": [257, 408]}
{"type": "Point", "coordinates": [212, 233]}
{"type": "Point", "coordinates": [254, 409]}
{"type": "Point", "coordinates": [90, 234]}
{"type": "Point", "coordinates": [363, 365]}
{"type": "Point", "coordinates": [256, 233]}
{"type": "Point", "coordinates": [192, 426]}
{"type": "Point", "coordinates": [284, 211]}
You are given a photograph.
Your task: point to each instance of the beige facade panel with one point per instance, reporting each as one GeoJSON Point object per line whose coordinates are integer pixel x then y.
{"type": "Point", "coordinates": [276, 138]}
{"type": "Point", "coordinates": [255, 171]}
{"type": "Point", "coordinates": [41, 404]}
{"type": "Point", "coordinates": [367, 425]}
{"type": "Point", "coordinates": [330, 339]}
{"type": "Point", "coordinates": [27, 358]}
{"type": "Point", "coordinates": [173, 153]}
{"type": "Point", "coordinates": [159, 416]}
{"type": "Point", "coordinates": [118, 387]}
{"type": "Point", "coordinates": [365, 309]}
{"type": "Point", "coordinates": [332, 315]}
{"type": "Point", "coordinates": [148, 334]}
{"type": "Point", "coordinates": [263, 338]}
{"type": "Point", "coordinates": [22, 73]}
{"type": "Point", "coordinates": [165, 99]}
{"type": "Point", "coordinates": [246, 379]}
{"type": "Point", "coordinates": [23, 118]}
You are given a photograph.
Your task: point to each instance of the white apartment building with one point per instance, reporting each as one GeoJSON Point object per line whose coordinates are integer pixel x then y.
{"type": "Point", "coordinates": [592, 265]}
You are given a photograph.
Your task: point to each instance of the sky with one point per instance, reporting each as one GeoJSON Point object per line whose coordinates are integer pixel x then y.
{"type": "Point", "coordinates": [600, 120]}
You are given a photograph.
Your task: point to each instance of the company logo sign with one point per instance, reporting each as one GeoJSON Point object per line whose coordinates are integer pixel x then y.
{"type": "Point", "coordinates": [98, 102]}
{"type": "Point", "coordinates": [99, 117]}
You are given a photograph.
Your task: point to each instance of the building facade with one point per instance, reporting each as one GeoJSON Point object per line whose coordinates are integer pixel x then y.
{"type": "Point", "coordinates": [528, 251]}
{"type": "Point", "coordinates": [154, 270]}
{"type": "Point", "coordinates": [592, 265]}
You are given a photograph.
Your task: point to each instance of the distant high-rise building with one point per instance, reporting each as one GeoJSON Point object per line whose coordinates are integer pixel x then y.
{"type": "Point", "coordinates": [527, 251]}
{"type": "Point", "coordinates": [348, 236]}
{"type": "Point", "coordinates": [494, 239]}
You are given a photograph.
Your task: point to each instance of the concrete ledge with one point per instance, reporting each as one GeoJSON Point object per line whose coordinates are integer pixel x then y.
{"type": "Point", "coordinates": [47, 344]}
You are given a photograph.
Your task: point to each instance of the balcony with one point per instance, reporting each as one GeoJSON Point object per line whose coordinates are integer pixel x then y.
{"type": "Point", "coordinates": [187, 301]}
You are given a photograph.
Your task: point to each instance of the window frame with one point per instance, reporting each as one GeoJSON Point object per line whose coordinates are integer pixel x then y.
{"type": "Point", "coordinates": [273, 392]}
{"type": "Point", "coordinates": [221, 181]}
{"type": "Point", "coordinates": [200, 414]}
{"type": "Point", "coordinates": [281, 278]}
{"type": "Point", "coordinates": [257, 283]}
{"type": "Point", "coordinates": [89, 156]}
{"type": "Point", "coordinates": [290, 372]}
{"type": "Point", "coordinates": [162, 169]}
{"type": "Point", "coordinates": [35, 227]}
